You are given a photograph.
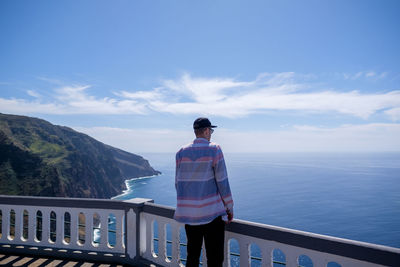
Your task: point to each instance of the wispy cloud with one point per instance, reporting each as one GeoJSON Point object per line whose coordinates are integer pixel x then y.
{"type": "Point", "coordinates": [276, 92]}
{"type": "Point", "coordinates": [228, 97]}
{"type": "Point", "coordinates": [71, 100]}
{"type": "Point", "coordinates": [365, 75]}
{"type": "Point", "coordinates": [33, 93]}
{"type": "Point", "coordinates": [141, 95]}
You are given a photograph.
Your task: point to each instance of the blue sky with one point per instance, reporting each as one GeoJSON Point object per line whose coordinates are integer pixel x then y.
{"type": "Point", "coordinates": [273, 75]}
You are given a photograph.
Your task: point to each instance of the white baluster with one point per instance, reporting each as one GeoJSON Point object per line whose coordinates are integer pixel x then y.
{"type": "Point", "coordinates": [131, 233]}
{"type": "Point", "coordinates": [18, 224]}
{"type": "Point", "coordinates": [266, 251]}
{"type": "Point", "coordinates": [32, 226]}
{"type": "Point", "coordinates": [145, 243]}
{"type": "Point", "coordinates": [291, 258]}
{"type": "Point", "coordinates": [89, 237]}
{"type": "Point", "coordinates": [74, 229]}
{"type": "Point", "coordinates": [45, 226]}
{"type": "Point", "coordinates": [175, 243]}
{"type": "Point", "coordinates": [6, 224]}
{"type": "Point", "coordinates": [103, 231]}
{"type": "Point", "coordinates": [60, 228]}
{"type": "Point", "coordinates": [118, 232]}
{"type": "Point", "coordinates": [244, 253]}
{"type": "Point", "coordinates": [162, 251]}
{"type": "Point", "coordinates": [149, 237]}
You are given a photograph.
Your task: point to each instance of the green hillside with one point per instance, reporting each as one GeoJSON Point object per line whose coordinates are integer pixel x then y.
{"type": "Point", "coordinates": [41, 159]}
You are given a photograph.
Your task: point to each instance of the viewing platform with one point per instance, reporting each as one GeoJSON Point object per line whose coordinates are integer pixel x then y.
{"type": "Point", "coordinates": [138, 232]}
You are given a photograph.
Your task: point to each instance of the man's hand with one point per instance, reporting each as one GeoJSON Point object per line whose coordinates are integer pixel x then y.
{"type": "Point", "coordinates": [230, 216]}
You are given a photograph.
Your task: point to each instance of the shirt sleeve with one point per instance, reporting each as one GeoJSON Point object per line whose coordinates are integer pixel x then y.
{"type": "Point", "coordinates": [221, 177]}
{"type": "Point", "coordinates": [176, 168]}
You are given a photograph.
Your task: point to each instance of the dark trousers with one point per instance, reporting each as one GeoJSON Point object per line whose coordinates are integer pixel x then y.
{"type": "Point", "coordinates": [214, 238]}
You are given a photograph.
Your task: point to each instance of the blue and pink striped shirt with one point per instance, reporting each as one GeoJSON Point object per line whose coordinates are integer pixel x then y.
{"type": "Point", "coordinates": [201, 182]}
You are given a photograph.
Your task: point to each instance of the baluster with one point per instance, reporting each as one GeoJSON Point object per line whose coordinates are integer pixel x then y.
{"type": "Point", "coordinates": [162, 251]}
{"type": "Point", "coordinates": [59, 227]}
{"type": "Point", "coordinates": [175, 243]}
{"type": "Point", "coordinates": [149, 237]}
{"type": "Point", "coordinates": [18, 228]}
{"type": "Point", "coordinates": [89, 237]}
{"type": "Point", "coordinates": [45, 226]}
{"type": "Point", "coordinates": [266, 252]}
{"type": "Point", "coordinates": [244, 253]}
{"type": "Point", "coordinates": [32, 226]}
{"type": "Point", "coordinates": [74, 228]}
{"type": "Point", "coordinates": [6, 223]}
{"type": "Point", "coordinates": [104, 231]}
{"type": "Point", "coordinates": [131, 236]}
{"type": "Point", "coordinates": [19, 224]}
{"type": "Point", "coordinates": [118, 231]}
{"type": "Point", "coordinates": [291, 258]}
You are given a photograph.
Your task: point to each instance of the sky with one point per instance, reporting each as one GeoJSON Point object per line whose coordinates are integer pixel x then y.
{"type": "Point", "coordinates": [274, 76]}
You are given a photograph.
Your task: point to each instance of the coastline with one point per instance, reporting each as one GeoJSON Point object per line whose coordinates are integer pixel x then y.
{"type": "Point", "coordinates": [129, 190]}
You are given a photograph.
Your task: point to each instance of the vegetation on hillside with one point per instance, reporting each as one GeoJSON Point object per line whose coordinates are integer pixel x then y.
{"type": "Point", "coordinates": [41, 159]}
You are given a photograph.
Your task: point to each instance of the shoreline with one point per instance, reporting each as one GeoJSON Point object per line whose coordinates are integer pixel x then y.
{"type": "Point", "coordinates": [128, 190]}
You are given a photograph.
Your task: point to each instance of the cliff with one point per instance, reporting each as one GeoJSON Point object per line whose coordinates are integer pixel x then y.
{"type": "Point", "coordinates": [38, 158]}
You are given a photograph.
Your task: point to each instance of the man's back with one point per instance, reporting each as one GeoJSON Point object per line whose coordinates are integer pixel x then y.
{"type": "Point", "coordinates": [201, 182]}
{"type": "Point", "coordinates": [203, 195]}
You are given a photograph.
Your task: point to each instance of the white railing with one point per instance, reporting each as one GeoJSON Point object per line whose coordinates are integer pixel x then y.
{"type": "Point", "coordinates": [140, 231]}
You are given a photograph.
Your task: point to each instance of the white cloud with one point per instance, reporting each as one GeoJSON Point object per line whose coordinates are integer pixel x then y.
{"type": "Point", "coordinates": [226, 97]}
{"type": "Point", "coordinates": [141, 95]}
{"type": "Point", "coordinates": [205, 90]}
{"type": "Point", "coordinates": [365, 75]}
{"type": "Point", "coordinates": [279, 92]}
{"type": "Point", "coordinates": [22, 107]}
{"type": "Point", "coordinates": [346, 138]}
{"type": "Point", "coordinates": [33, 93]}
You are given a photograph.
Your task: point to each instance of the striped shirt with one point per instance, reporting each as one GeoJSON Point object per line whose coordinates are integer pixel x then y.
{"type": "Point", "coordinates": [201, 182]}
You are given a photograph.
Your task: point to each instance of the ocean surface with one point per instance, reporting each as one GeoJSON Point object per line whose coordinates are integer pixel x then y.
{"type": "Point", "coordinates": [353, 196]}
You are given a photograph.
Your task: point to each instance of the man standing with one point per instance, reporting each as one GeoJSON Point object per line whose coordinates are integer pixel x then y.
{"type": "Point", "coordinates": [204, 199]}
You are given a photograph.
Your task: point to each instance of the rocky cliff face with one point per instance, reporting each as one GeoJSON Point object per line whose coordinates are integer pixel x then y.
{"type": "Point", "coordinates": [41, 159]}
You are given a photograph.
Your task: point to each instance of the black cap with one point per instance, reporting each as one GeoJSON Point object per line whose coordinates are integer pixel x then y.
{"type": "Point", "coordinates": [202, 123]}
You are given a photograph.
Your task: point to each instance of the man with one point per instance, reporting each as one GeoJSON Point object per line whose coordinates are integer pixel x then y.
{"type": "Point", "coordinates": [204, 199]}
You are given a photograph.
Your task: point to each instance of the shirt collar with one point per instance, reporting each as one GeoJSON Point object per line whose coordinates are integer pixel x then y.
{"type": "Point", "coordinates": [201, 140]}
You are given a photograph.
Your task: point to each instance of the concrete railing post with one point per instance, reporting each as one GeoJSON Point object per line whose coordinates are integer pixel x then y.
{"type": "Point", "coordinates": [133, 228]}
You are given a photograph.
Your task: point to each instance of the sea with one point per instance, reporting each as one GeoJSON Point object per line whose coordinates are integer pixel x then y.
{"type": "Point", "coordinates": [347, 195]}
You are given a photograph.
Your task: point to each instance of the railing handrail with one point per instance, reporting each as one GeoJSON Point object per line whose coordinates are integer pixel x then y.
{"type": "Point", "coordinates": [373, 253]}
{"type": "Point", "coordinates": [86, 203]}
{"type": "Point", "coordinates": [363, 251]}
